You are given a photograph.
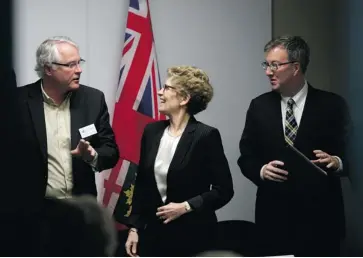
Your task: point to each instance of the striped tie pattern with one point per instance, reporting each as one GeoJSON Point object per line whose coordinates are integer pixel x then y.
{"type": "Point", "coordinates": [290, 123]}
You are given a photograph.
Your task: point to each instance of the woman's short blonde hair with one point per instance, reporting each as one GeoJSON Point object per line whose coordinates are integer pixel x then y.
{"type": "Point", "coordinates": [193, 82]}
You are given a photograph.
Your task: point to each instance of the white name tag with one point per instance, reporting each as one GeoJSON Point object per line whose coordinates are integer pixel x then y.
{"type": "Point", "coordinates": [88, 131]}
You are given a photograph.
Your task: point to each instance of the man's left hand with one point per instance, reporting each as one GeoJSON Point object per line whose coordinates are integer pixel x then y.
{"type": "Point", "coordinates": [324, 158]}
{"type": "Point", "coordinates": [84, 150]}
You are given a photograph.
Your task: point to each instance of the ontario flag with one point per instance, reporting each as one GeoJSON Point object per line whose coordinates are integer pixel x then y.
{"type": "Point", "coordinates": [136, 105]}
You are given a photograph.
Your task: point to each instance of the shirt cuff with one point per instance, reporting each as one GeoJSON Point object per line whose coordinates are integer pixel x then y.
{"type": "Point", "coordinates": [93, 163]}
{"type": "Point", "coordinates": [261, 171]}
{"type": "Point", "coordinates": [340, 164]}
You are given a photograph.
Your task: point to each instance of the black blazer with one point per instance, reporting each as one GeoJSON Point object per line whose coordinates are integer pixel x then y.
{"type": "Point", "coordinates": [324, 126]}
{"type": "Point", "coordinates": [199, 173]}
{"type": "Point", "coordinates": [87, 106]}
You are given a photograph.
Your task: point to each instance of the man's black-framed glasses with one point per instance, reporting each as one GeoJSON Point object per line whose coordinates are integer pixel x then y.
{"type": "Point", "coordinates": [71, 65]}
{"type": "Point", "coordinates": [274, 66]}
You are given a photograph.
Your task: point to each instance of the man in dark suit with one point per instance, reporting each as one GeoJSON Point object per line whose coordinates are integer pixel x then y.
{"type": "Point", "coordinates": [67, 124]}
{"type": "Point", "coordinates": [298, 210]}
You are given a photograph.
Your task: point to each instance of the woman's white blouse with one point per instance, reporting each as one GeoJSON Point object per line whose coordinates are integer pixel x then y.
{"type": "Point", "coordinates": [167, 147]}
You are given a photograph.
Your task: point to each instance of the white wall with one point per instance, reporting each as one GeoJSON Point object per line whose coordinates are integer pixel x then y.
{"type": "Point", "coordinates": [313, 21]}
{"type": "Point", "coordinates": [89, 22]}
{"type": "Point", "coordinates": [225, 38]}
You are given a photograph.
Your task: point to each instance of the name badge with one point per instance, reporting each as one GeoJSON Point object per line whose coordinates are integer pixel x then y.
{"type": "Point", "coordinates": [87, 131]}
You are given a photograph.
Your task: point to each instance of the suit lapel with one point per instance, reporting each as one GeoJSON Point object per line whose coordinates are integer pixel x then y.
{"type": "Point", "coordinates": [155, 144]}
{"type": "Point", "coordinates": [276, 117]}
{"type": "Point", "coordinates": [183, 145]}
{"type": "Point", "coordinates": [36, 108]}
{"type": "Point", "coordinates": [180, 152]}
{"type": "Point", "coordinates": [307, 116]}
{"type": "Point", "coordinates": [77, 117]}
{"type": "Point", "coordinates": [150, 162]}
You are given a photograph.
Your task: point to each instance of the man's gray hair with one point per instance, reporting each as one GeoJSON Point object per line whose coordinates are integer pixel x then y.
{"type": "Point", "coordinates": [47, 52]}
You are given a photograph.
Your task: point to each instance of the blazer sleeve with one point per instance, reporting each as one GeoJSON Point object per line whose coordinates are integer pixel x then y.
{"type": "Point", "coordinates": [139, 199]}
{"type": "Point", "coordinates": [221, 184]}
{"type": "Point", "coordinates": [249, 161]}
{"type": "Point", "coordinates": [341, 132]}
{"type": "Point", "coordinates": [107, 150]}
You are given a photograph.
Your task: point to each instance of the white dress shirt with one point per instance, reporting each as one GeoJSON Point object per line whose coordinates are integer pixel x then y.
{"type": "Point", "coordinates": [298, 107]}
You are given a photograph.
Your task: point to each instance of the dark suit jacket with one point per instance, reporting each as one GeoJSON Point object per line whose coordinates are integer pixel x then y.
{"type": "Point", "coordinates": [323, 126]}
{"type": "Point", "coordinates": [199, 162]}
{"type": "Point", "coordinates": [87, 106]}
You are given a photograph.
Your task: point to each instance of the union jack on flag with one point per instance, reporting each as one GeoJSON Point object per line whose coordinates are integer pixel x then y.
{"type": "Point", "coordinates": [136, 105]}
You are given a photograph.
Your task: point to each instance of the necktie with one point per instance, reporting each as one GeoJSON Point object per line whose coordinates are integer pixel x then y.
{"type": "Point", "coordinates": [290, 123]}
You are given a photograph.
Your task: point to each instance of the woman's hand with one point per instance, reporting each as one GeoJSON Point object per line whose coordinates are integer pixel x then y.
{"type": "Point", "coordinates": [131, 243]}
{"type": "Point", "coordinates": [171, 211]}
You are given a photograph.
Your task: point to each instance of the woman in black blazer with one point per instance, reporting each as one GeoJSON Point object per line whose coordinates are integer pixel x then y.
{"type": "Point", "coordinates": [183, 175]}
